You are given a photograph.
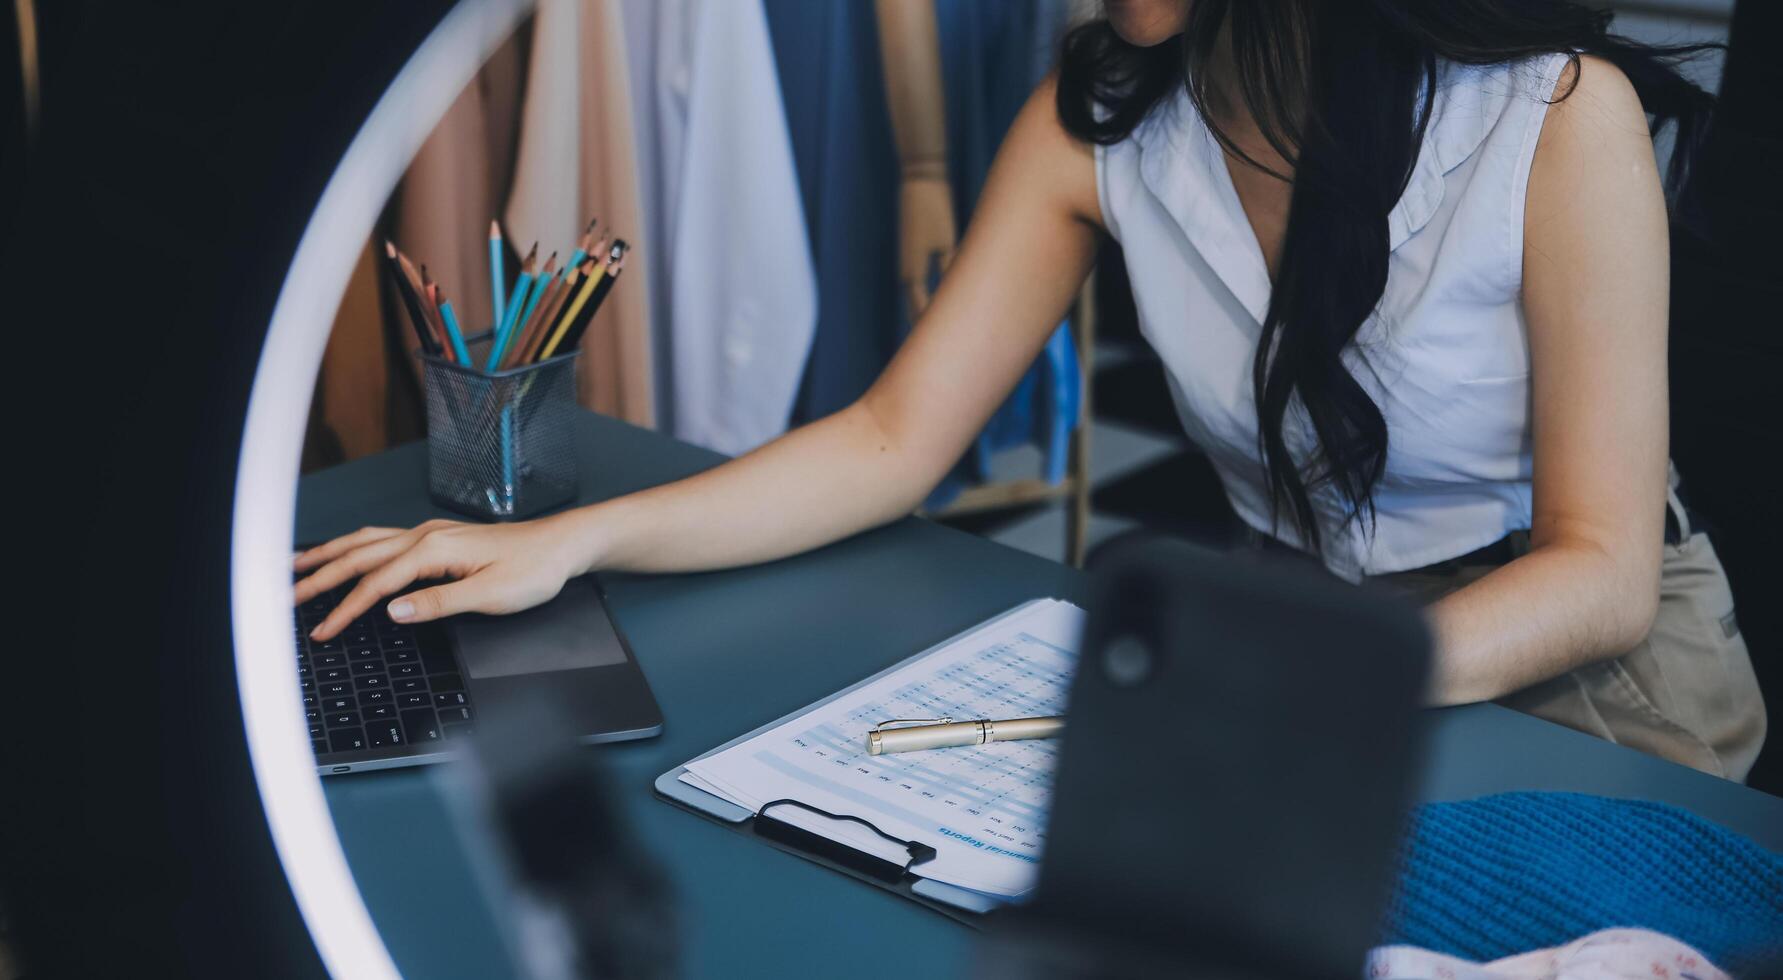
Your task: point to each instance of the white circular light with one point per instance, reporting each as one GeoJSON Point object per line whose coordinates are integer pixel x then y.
{"type": "Point", "coordinates": [266, 478]}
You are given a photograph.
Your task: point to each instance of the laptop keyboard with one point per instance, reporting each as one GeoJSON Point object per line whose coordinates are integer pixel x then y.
{"type": "Point", "coordinates": [379, 684]}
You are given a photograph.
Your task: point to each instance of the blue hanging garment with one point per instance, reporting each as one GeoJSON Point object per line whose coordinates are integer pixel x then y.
{"type": "Point", "coordinates": [1064, 400]}
{"type": "Point", "coordinates": [827, 57]}
{"type": "Point", "coordinates": [831, 79]}
{"type": "Point", "coordinates": [1502, 875]}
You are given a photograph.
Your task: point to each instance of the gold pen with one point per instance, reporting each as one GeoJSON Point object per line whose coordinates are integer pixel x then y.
{"type": "Point", "coordinates": [914, 734]}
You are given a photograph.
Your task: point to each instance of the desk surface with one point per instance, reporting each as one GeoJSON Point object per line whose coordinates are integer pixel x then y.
{"type": "Point", "coordinates": [728, 651]}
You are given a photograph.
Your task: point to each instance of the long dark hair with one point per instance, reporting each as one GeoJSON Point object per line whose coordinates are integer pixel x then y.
{"type": "Point", "coordinates": [1343, 92]}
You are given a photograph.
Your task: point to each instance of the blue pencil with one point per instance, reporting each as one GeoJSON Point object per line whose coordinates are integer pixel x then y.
{"type": "Point", "coordinates": [546, 276]}
{"type": "Point", "coordinates": [500, 340]}
{"type": "Point", "coordinates": [510, 316]}
{"type": "Point", "coordinates": [499, 298]}
{"type": "Point", "coordinates": [507, 457]}
{"type": "Point", "coordinates": [505, 330]}
{"type": "Point", "coordinates": [454, 333]}
{"type": "Point", "coordinates": [582, 245]}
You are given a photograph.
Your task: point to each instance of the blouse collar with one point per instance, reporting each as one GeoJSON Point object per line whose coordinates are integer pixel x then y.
{"type": "Point", "coordinates": [1182, 164]}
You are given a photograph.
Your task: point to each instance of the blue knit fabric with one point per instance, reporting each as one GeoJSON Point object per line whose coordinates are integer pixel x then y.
{"type": "Point", "coordinates": [1501, 875]}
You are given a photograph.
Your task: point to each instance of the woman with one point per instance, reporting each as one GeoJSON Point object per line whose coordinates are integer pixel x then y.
{"type": "Point", "coordinates": [1405, 263]}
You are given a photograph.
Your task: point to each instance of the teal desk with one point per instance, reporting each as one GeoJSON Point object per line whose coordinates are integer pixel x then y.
{"type": "Point", "coordinates": [728, 651]}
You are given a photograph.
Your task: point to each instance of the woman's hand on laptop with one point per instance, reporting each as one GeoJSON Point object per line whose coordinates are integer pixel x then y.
{"type": "Point", "coordinates": [499, 568]}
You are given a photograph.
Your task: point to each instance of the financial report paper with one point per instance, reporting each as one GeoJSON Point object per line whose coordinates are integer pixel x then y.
{"type": "Point", "coordinates": [983, 808]}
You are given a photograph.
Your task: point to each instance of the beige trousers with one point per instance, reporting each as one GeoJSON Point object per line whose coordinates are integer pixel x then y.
{"type": "Point", "coordinates": [1685, 693]}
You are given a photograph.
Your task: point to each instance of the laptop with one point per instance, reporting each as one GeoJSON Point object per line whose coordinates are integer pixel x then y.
{"type": "Point", "coordinates": [384, 694]}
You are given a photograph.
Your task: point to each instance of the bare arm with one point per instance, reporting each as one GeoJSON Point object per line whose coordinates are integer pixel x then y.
{"type": "Point", "coordinates": [910, 53]}
{"type": "Point", "coordinates": [1595, 281]}
{"type": "Point", "coordinates": [1029, 246]}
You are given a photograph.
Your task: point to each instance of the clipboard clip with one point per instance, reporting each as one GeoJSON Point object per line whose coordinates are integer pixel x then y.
{"type": "Point", "coordinates": [838, 851]}
{"type": "Point", "coordinates": [895, 723]}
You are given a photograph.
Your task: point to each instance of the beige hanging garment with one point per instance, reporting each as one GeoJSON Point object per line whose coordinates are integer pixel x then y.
{"type": "Point", "coordinates": [349, 414]}
{"type": "Point", "coordinates": [576, 161]}
{"type": "Point", "coordinates": [458, 181]}
{"type": "Point", "coordinates": [366, 399]}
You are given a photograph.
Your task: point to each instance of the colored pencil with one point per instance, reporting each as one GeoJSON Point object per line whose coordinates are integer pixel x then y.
{"type": "Point", "coordinates": [507, 455]}
{"type": "Point", "coordinates": [544, 313]}
{"type": "Point", "coordinates": [431, 291]}
{"type": "Point", "coordinates": [410, 301]}
{"type": "Point", "coordinates": [547, 321]}
{"type": "Point", "coordinates": [550, 279]}
{"type": "Point", "coordinates": [584, 268]}
{"type": "Point", "coordinates": [577, 329]}
{"type": "Point", "coordinates": [431, 317]}
{"type": "Point", "coordinates": [569, 314]}
{"type": "Point", "coordinates": [530, 330]}
{"type": "Point", "coordinates": [498, 288]}
{"type": "Point", "coordinates": [576, 319]}
{"type": "Point", "coordinates": [453, 332]}
{"type": "Point", "coordinates": [505, 331]}
{"type": "Point", "coordinates": [548, 317]}
{"type": "Point", "coordinates": [546, 274]}
{"type": "Point", "coordinates": [582, 245]}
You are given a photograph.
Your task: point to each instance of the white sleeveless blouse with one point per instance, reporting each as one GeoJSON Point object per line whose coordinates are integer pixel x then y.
{"type": "Point", "coordinates": [1445, 355]}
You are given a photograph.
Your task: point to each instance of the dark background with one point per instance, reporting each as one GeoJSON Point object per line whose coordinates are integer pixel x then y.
{"type": "Point", "coordinates": [182, 147]}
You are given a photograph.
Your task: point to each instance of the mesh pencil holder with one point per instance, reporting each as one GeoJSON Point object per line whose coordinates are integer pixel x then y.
{"type": "Point", "coordinates": [498, 445]}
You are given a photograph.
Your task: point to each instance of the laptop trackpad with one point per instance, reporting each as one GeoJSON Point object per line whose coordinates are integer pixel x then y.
{"type": "Point", "coordinates": [569, 632]}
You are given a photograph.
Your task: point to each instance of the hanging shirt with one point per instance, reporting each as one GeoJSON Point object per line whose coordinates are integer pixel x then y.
{"type": "Point", "coordinates": [1445, 355]}
{"type": "Point", "coordinates": [731, 280]}
{"type": "Point", "coordinates": [827, 55]}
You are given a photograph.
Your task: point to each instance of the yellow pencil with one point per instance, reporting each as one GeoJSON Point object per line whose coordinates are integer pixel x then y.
{"type": "Point", "coordinates": [542, 329]}
{"type": "Point", "coordinates": [569, 315]}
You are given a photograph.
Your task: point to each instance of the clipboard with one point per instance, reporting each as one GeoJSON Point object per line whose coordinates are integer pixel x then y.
{"type": "Point", "coordinates": [960, 904]}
